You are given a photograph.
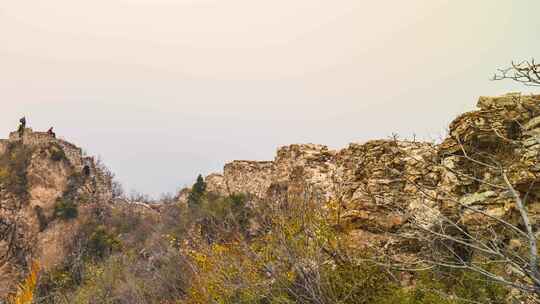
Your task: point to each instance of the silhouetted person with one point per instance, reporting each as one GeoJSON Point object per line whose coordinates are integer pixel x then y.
{"type": "Point", "coordinates": [22, 126]}
{"type": "Point", "coordinates": [51, 132]}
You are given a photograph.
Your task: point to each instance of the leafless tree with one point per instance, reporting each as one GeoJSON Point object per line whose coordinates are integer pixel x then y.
{"type": "Point", "coordinates": [525, 72]}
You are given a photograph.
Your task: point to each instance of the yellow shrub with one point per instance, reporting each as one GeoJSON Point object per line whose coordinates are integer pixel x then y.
{"type": "Point", "coordinates": [4, 174]}
{"type": "Point", "coordinates": [225, 275]}
{"type": "Point", "coordinates": [25, 292]}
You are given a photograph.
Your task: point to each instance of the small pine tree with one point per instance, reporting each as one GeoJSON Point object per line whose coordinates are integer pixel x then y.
{"type": "Point", "coordinates": [197, 192]}
{"type": "Point", "coordinates": [200, 185]}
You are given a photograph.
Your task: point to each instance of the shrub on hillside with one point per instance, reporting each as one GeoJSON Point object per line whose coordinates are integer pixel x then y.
{"type": "Point", "coordinates": [221, 218]}
{"type": "Point", "coordinates": [302, 258]}
{"type": "Point", "coordinates": [101, 243]}
{"type": "Point", "coordinates": [13, 169]}
{"type": "Point", "coordinates": [57, 153]}
{"type": "Point", "coordinates": [4, 174]}
{"type": "Point", "coordinates": [298, 256]}
{"type": "Point", "coordinates": [65, 209]}
{"type": "Point", "coordinates": [75, 181]}
{"type": "Point", "coordinates": [197, 191]}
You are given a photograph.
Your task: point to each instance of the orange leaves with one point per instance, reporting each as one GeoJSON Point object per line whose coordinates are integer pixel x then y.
{"type": "Point", "coordinates": [25, 292]}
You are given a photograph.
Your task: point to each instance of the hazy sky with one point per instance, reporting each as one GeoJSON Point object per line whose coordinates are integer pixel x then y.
{"type": "Point", "coordinates": [165, 89]}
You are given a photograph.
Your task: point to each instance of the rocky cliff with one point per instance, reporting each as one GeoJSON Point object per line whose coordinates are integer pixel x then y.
{"type": "Point", "coordinates": [47, 188]}
{"type": "Point", "coordinates": [381, 184]}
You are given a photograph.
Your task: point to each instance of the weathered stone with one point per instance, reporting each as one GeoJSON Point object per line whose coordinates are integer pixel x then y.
{"type": "Point", "coordinates": [216, 183]}
{"type": "Point", "coordinates": [376, 178]}
{"type": "Point", "coordinates": [246, 177]}
{"type": "Point", "coordinates": [533, 123]}
{"type": "Point", "coordinates": [477, 198]}
{"type": "Point", "coordinates": [532, 141]}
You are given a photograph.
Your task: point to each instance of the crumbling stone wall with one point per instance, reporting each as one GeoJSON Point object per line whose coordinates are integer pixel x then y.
{"type": "Point", "coordinates": [247, 177]}
{"type": "Point", "coordinates": [371, 180]}
{"type": "Point", "coordinates": [31, 138]}
{"type": "Point", "coordinates": [351, 174]}
{"type": "Point", "coordinates": [215, 183]}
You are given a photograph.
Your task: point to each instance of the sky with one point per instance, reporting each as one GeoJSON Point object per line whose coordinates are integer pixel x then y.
{"type": "Point", "coordinates": [163, 90]}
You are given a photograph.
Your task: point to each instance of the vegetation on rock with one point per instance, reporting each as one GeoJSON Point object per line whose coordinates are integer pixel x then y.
{"type": "Point", "coordinates": [65, 209]}
{"type": "Point", "coordinates": [13, 168]}
{"type": "Point", "coordinates": [197, 191]}
{"type": "Point", "coordinates": [57, 153]}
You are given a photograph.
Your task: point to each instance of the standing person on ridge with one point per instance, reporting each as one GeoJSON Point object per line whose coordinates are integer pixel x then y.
{"type": "Point", "coordinates": [22, 126]}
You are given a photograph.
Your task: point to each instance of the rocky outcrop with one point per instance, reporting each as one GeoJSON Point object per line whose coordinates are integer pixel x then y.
{"type": "Point", "coordinates": [371, 180]}
{"type": "Point", "coordinates": [246, 177]}
{"type": "Point", "coordinates": [361, 173]}
{"type": "Point", "coordinates": [40, 177]}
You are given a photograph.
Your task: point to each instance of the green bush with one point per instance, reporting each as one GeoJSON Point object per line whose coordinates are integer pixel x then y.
{"type": "Point", "coordinates": [447, 287]}
{"type": "Point", "coordinates": [222, 217]}
{"type": "Point", "coordinates": [197, 192]}
{"type": "Point", "coordinates": [346, 284]}
{"type": "Point", "coordinates": [13, 166]}
{"type": "Point", "coordinates": [101, 243]}
{"type": "Point", "coordinates": [75, 181]}
{"type": "Point", "coordinates": [65, 209]}
{"type": "Point", "coordinates": [57, 154]}
{"type": "Point", "coordinates": [240, 210]}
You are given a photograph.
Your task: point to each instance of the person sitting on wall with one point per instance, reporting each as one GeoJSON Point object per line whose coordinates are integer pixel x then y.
{"type": "Point", "coordinates": [22, 126]}
{"type": "Point", "coordinates": [51, 132]}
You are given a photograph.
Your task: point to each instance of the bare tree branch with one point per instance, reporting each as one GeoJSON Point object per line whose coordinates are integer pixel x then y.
{"type": "Point", "coordinates": [525, 72]}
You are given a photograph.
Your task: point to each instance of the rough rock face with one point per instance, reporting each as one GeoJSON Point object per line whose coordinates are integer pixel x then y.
{"type": "Point", "coordinates": [506, 127]}
{"type": "Point", "coordinates": [39, 172]}
{"type": "Point", "coordinates": [371, 180]}
{"type": "Point", "coordinates": [247, 177]}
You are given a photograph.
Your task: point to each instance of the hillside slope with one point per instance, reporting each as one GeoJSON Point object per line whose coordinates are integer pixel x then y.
{"type": "Point", "coordinates": [47, 187]}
